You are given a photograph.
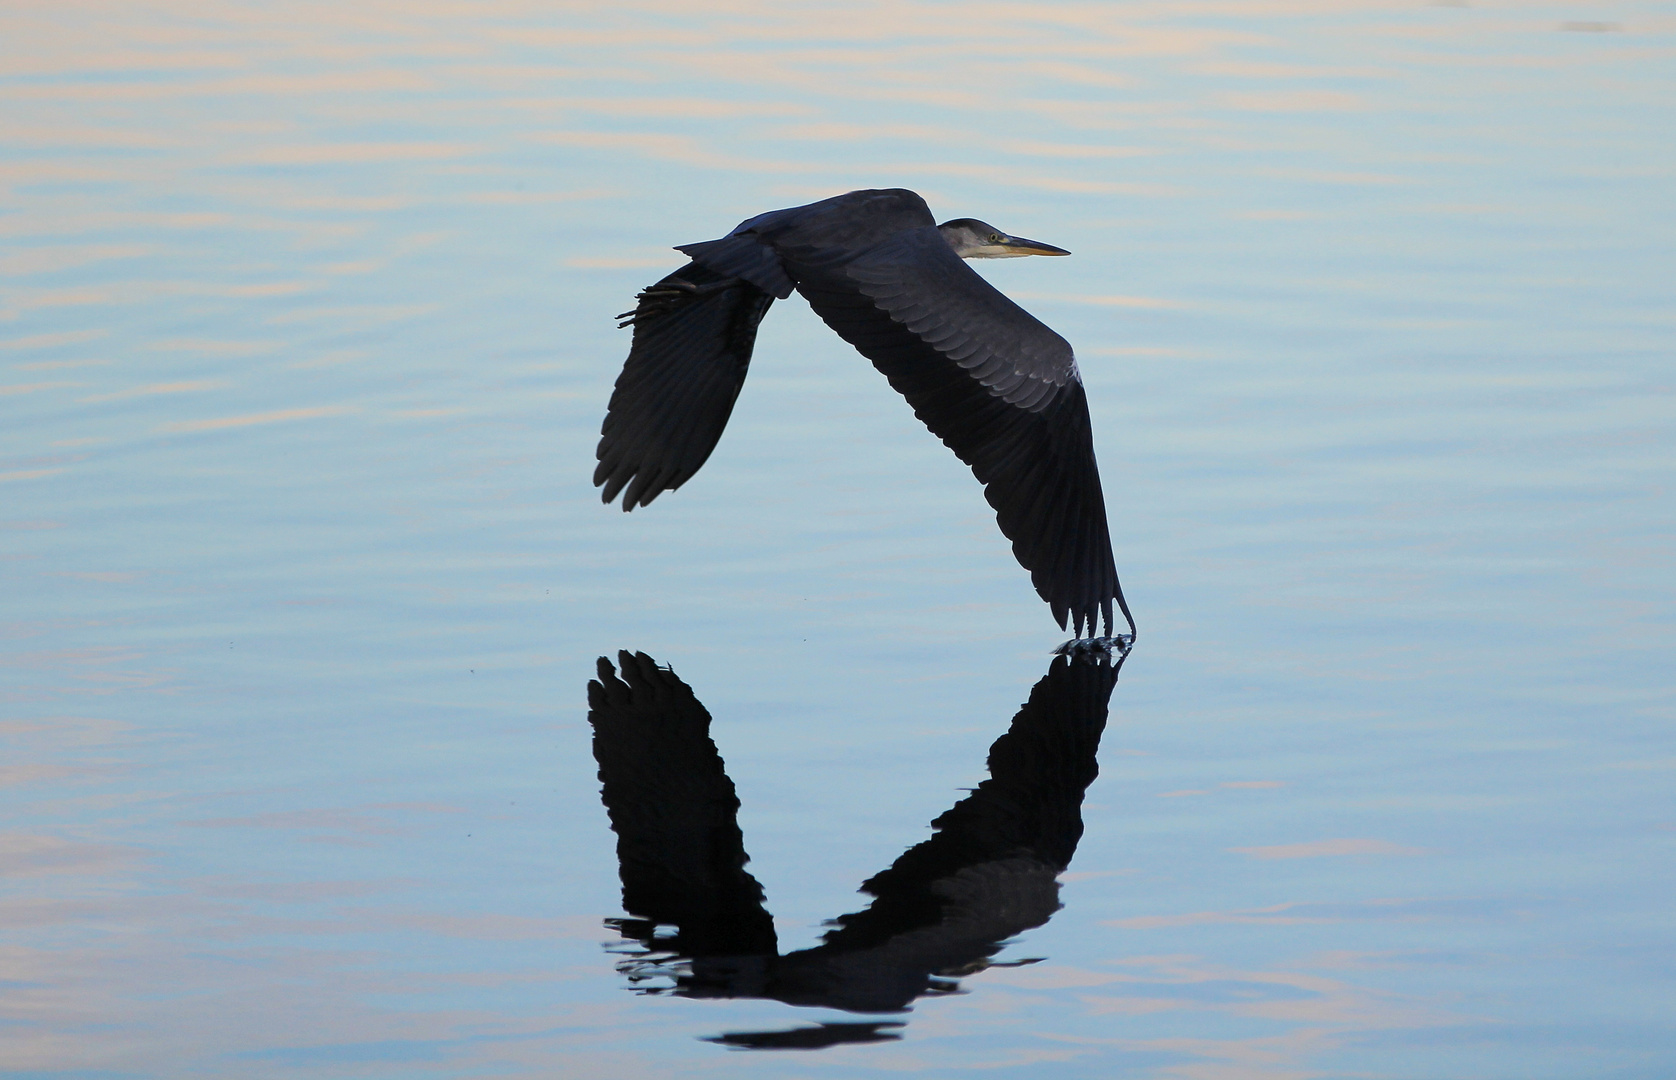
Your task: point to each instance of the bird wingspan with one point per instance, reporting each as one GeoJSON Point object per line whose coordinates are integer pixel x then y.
{"type": "Point", "coordinates": [693, 336]}
{"type": "Point", "coordinates": [1002, 391]}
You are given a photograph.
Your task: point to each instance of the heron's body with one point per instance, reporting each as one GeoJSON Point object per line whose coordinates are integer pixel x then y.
{"type": "Point", "coordinates": [997, 386]}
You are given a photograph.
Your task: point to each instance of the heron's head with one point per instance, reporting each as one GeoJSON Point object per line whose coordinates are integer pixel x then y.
{"type": "Point", "coordinates": [974, 239]}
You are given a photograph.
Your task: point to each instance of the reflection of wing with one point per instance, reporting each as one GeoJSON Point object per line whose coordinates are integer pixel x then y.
{"type": "Point", "coordinates": [873, 965]}
{"type": "Point", "coordinates": [681, 853]}
{"type": "Point", "coordinates": [989, 871]}
{"type": "Point", "coordinates": [693, 336]}
{"type": "Point", "coordinates": [1000, 389]}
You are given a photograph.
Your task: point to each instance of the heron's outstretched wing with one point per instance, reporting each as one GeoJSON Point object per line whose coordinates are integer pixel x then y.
{"type": "Point", "coordinates": [679, 848]}
{"type": "Point", "coordinates": [693, 335]}
{"type": "Point", "coordinates": [1000, 389]}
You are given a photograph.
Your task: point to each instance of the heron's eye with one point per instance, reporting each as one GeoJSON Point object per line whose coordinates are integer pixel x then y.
{"type": "Point", "coordinates": [995, 238]}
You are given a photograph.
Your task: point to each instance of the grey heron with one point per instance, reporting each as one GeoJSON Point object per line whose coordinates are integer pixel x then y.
{"type": "Point", "coordinates": [999, 388]}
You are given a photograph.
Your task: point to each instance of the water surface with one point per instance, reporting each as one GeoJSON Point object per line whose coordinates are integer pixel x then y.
{"type": "Point", "coordinates": [306, 338]}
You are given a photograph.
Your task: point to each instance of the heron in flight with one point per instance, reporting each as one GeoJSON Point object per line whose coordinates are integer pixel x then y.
{"type": "Point", "coordinates": [996, 385]}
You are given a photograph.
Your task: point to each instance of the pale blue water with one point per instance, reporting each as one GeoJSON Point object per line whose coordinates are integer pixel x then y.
{"type": "Point", "coordinates": [307, 334]}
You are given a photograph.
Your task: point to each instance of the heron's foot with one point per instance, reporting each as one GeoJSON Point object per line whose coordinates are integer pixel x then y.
{"type": "Point", "coordinates": [682, 285]}
{"type": "Point", "coordinates": [667, 295]}
{"type": "Point", "coordinates": [1095, 648]}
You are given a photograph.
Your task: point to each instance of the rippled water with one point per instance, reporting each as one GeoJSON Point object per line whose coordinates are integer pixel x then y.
{"type": "Point", "coordinates": [306, 337]}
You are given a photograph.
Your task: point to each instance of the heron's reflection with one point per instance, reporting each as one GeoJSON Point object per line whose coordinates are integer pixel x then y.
{"type": "Point", "coordinates": [939, 912]}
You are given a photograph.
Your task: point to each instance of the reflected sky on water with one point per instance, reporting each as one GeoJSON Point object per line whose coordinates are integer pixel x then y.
{"type": "Point", "coordinates": [305, 336]}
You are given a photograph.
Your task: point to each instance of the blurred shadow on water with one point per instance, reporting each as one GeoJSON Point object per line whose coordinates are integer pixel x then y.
{"type": "Point", "coordinates": [939, 912]}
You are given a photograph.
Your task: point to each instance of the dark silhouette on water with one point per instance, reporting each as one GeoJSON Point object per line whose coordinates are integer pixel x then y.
{"type": "Point", "coordinates": [811, 1038]}
{"type": "Point", "coordinates": [996, 385]}
{"type": "Point", "coordinates": [939, 912]}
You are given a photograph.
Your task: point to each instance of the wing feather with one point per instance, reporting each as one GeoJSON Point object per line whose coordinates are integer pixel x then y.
{"type": "Point", "coordinates": [693, 336]}
{"type": "Point", "coordinates": [1000, 389]}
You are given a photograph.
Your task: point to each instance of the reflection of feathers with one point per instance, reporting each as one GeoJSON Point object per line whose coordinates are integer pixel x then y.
{"type": "Point", "coordinates": [942, 909]}
{"type": "Point", "coordinates": [978, 908]}
{"type": "Point", "coordinates": [1030, 805]}
{"type": "Point", "coordinates": [989, 871]}
{"type": "Point", "coordinates": [674, 810]}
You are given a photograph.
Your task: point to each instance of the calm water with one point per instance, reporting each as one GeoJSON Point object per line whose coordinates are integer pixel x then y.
{"type": "Point", "coordinates": [306, 335]}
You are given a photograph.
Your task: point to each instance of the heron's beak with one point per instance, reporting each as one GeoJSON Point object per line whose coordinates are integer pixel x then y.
{"type": "Point", "coordinates": [1018, 245]}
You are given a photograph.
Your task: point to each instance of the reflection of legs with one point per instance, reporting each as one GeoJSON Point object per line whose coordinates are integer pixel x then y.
{"type": "Point", "coordinates": [1114, 649]}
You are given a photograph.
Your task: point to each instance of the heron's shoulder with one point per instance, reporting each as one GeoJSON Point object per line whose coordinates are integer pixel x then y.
{"type": "Point", "coordinates": [853, 221]}
{"type": "Point", "coordinates": [886, 203]}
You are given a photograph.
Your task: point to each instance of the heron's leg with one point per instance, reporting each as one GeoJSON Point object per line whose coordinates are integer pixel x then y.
{"type": "Point", "coordinates": [685, 286]}
{"type": "Point", "coordinates": [1114, 648]}
{"type": "Point", "coordinates": [669, 294]}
